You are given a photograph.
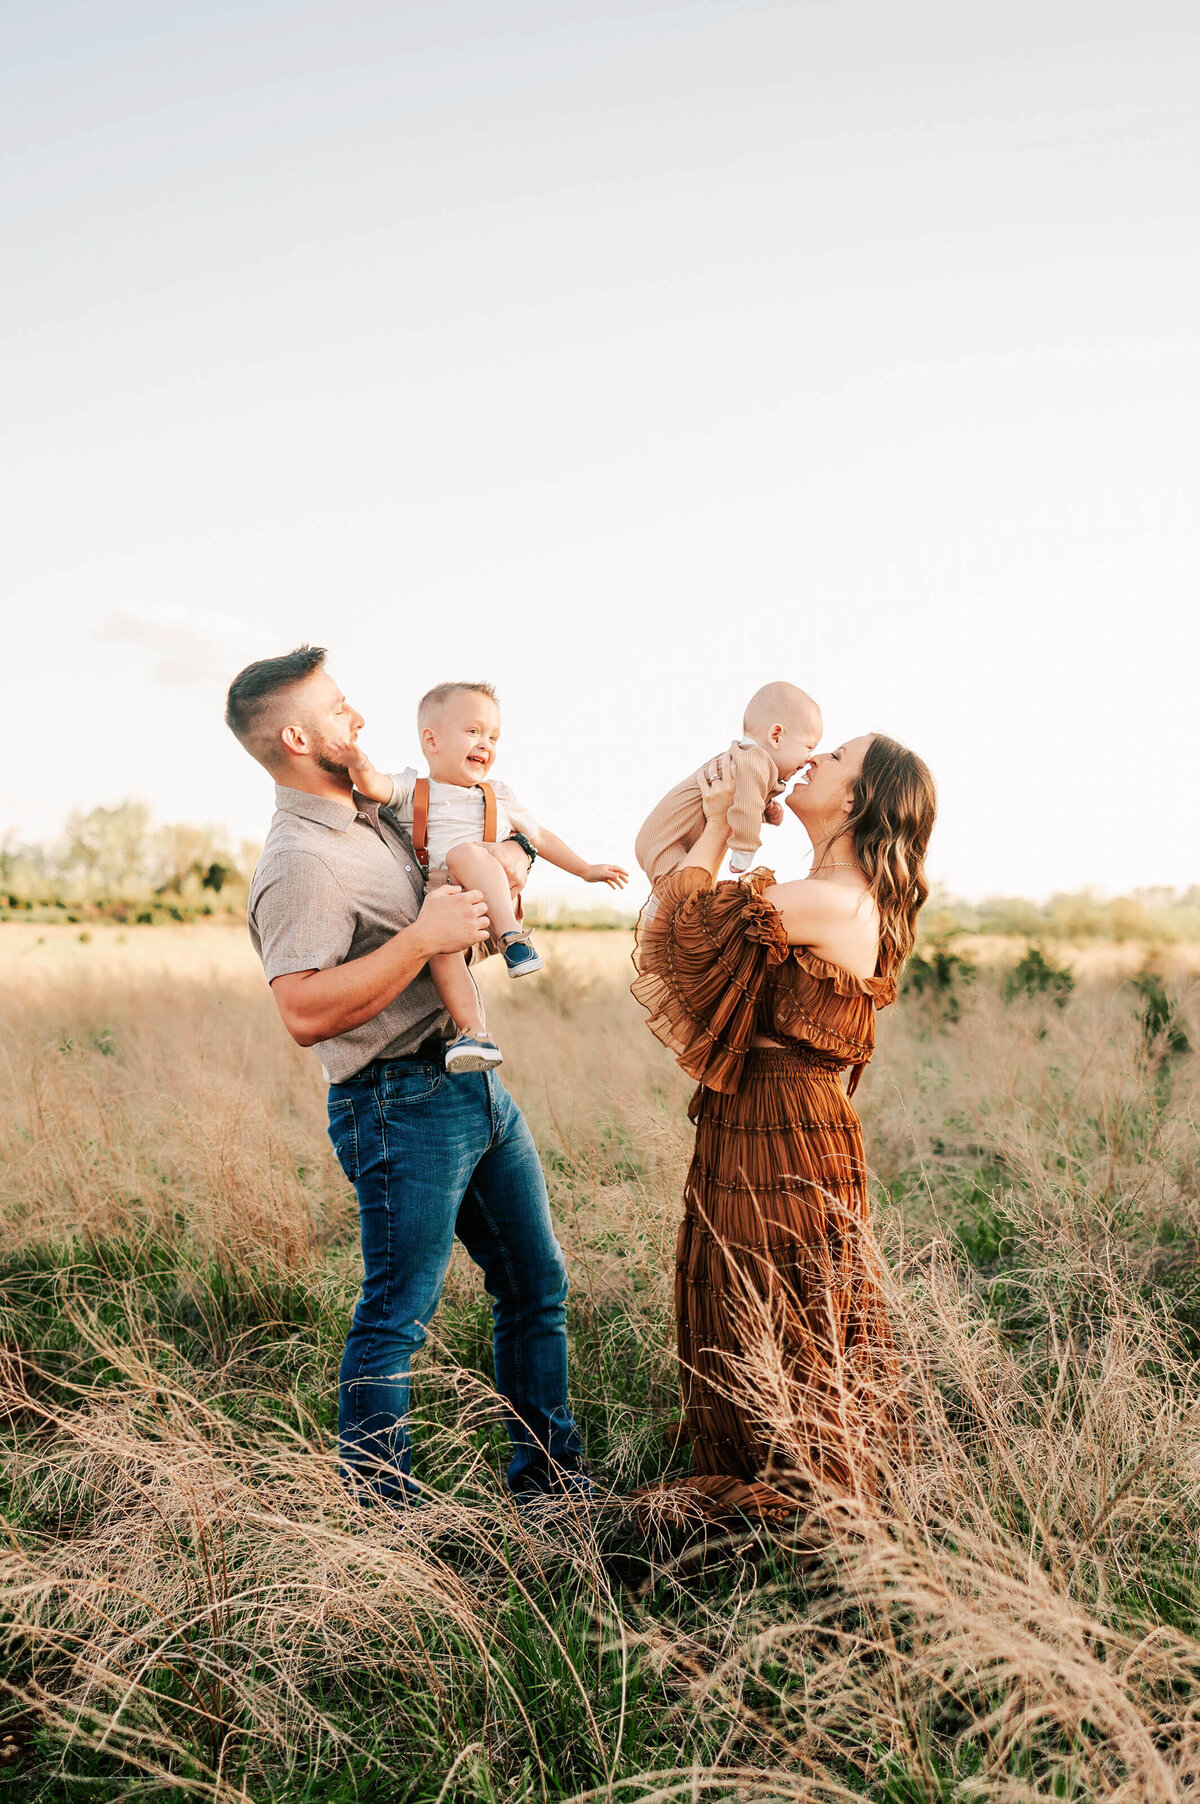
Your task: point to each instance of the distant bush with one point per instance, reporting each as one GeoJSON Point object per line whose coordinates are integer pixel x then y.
{"type": "Point", "coordinates": [1162, 1030]}
{"type": "Point", "coordinates": [939, 974]}
{"type": "Point", "coordinates": [1036, 975]}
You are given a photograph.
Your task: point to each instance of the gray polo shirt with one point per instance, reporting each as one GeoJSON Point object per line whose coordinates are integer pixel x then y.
{"type": "Point", "coordinates": [332, 885]}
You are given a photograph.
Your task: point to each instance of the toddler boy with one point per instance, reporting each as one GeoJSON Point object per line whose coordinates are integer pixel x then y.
{"type": "Point", "coordinates": [447, 816]}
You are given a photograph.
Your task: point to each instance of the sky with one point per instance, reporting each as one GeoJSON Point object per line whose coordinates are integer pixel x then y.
{"type": "Point", "coordinates": [627, 355]}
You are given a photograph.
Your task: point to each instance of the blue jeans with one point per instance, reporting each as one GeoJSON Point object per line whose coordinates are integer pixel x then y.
{"type": "Point", "coordinates": [432, 1156]}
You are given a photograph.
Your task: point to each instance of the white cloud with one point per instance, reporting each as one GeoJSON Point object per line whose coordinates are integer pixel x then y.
{"type": "Point", "coordinates": [185, 652]}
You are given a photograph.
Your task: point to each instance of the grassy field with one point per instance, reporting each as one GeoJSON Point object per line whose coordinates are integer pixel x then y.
{"type": "Point", "coordinates": [191, 1607]}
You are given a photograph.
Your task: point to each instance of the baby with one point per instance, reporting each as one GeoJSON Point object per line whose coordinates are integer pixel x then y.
{"type": "Point", "coordinates": [456, 820]}
{"type": "Point", "coordinates": [780, 732]}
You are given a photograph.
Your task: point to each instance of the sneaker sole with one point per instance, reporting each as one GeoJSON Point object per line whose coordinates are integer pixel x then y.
{"type": "Point", "coordinates": [526, 968]}
{"type": "Point", "coordinates": [474, 1061]}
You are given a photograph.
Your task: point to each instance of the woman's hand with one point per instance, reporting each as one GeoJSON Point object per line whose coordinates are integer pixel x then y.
{"type": "Point", "coordinates": [716, 790]}
{"type": "Point", "coordinates": [717, 795]}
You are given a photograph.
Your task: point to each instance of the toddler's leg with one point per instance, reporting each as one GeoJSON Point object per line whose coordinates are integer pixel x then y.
{"type": "Point", "coordinates": [456, 987]}
{"type": "Point", "coordinates": [472, 1048]}
{"type": "Point", "coordinates": [474, 867]}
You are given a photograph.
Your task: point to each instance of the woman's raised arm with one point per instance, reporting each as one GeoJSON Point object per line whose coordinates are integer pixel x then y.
{"type": "Point", "coordinates": [709, 849]}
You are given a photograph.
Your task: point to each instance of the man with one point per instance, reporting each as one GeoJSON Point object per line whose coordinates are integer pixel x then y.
{"type": "Point", "coordinates": [339, 918]}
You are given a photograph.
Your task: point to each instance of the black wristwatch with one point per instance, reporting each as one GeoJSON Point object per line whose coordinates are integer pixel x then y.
{"type": "Point", "coordinates": [527, 846]}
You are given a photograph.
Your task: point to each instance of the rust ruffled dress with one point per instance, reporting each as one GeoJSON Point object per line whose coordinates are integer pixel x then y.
{"type": "Point", "coordinates": [787, 1367]}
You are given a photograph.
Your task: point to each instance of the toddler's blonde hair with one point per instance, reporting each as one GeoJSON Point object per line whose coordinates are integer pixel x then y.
{"type": "Point", "coordinates": [435, 699]}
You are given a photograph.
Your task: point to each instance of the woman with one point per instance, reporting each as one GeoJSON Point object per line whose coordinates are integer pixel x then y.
{"type": "Point", "coordinates": [766, 993]}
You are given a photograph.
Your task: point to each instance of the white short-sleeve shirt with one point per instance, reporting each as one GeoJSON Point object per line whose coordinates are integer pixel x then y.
{"type": "Point", "coordinates": [456, 813]}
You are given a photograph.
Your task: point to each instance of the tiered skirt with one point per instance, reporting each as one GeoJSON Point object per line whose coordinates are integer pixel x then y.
{"type": "Point", "coordinates": [787, 1363]}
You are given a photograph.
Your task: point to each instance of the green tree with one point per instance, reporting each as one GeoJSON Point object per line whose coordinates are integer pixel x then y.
{"type": "Point", "coordinates": [105, 848]}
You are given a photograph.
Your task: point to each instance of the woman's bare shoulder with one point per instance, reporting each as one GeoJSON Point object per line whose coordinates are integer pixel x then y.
{"type": "Point", "coordinates": [839, 921]}
{"type": "Point", "coordinates": [814, 896]}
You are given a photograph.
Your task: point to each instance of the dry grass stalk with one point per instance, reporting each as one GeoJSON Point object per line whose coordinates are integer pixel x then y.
{"type": "Point", "coordinates": [186, 1587]}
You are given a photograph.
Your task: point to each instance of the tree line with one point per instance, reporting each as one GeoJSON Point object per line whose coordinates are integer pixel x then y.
{"type": "Point", "coordinates": [114, 859]}
{"type": "Point", "coordinates": [1153, 913]}
{"type": "Point", "coordinates": [120, 854]}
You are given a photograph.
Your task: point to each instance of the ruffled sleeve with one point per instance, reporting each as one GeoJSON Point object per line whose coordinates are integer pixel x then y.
{"type": "Point", "coordinates": [702, 956]}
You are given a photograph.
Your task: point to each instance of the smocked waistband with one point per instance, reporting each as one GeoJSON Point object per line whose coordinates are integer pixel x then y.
{"type": "Point", "coordinates": [798, 1054]}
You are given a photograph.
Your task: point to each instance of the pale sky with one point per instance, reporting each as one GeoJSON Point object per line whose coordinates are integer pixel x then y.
{"type": "Point", "coordinates": [629, 355]}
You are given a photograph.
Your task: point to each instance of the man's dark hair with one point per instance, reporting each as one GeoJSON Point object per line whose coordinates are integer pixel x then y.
{"type": "Point", "coordinates": [251, 687]}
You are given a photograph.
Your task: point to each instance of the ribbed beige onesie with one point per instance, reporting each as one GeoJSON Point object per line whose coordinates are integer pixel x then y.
{"type": "Point", "coordinates": [671, 830]}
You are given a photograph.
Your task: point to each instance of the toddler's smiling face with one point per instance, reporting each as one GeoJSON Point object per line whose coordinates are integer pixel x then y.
{"type": "Point", "coordinates": [460, 741]}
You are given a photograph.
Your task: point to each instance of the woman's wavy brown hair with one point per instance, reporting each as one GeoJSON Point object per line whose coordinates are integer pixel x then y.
{"type": "Point", "coordinates": [894, 805]}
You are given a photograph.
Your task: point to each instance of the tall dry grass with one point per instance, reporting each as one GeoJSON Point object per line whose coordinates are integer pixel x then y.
{"type": "Point", "coordinates": [192, 1606]}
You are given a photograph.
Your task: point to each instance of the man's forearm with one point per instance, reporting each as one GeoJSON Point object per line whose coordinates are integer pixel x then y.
{"type": "Point", "coordinates": [317, 1005]}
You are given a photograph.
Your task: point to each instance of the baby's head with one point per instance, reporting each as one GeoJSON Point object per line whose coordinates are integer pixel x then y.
{"type": "Point", "coordinates": [787, 723]}
{"type": "Point", "coordinates": [459, 725]}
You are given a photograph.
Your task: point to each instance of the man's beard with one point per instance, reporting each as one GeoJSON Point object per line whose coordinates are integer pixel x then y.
{"type": "Point", "coordinates": [327, 760]}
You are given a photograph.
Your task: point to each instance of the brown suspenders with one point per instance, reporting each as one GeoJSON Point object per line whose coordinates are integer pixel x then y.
{"type": "Point", "coordinates": [420, 826]}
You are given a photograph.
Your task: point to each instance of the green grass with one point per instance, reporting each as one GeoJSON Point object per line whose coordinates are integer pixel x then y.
{"type": "Point", "coordinates": [1021, 1619]}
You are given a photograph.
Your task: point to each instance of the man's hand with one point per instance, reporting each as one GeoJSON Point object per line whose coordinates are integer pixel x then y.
{"type": "Point", "coordinates": [319, 1005]}
{"type": "Point", "coordinates": [612, 874]}
{"type": "Point", "coordinates": [452, 920]}
{"type": "Point", "coordinates": [516, 862]}
{"type": "Point", "coordinates": [773, 814]}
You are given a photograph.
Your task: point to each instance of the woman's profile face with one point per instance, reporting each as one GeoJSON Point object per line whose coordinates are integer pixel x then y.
{"type": "Point", "coordinates": [824, 787]}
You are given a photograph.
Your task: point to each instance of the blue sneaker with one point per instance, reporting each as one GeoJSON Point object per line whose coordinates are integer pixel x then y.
{"type": "Point", "coordinates": [519, 954]}
{"type": "Point", "coordinates": [472, 1052]}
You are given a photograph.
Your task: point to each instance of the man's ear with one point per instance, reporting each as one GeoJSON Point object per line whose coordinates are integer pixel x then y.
{"type": "Point", "coordinates": [294, 739]}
